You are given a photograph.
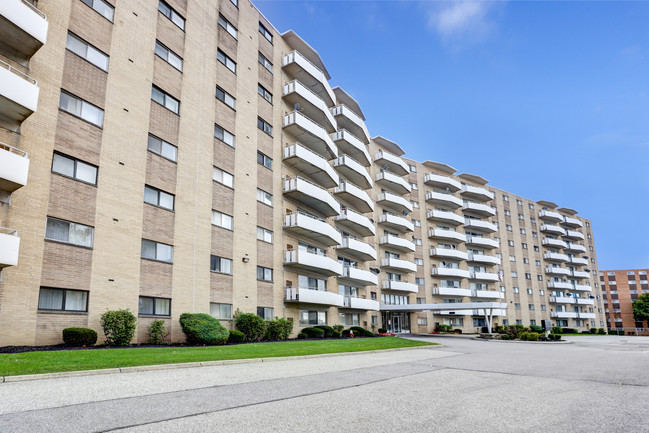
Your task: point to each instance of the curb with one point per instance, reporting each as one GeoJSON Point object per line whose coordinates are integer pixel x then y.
{"type": "Point", "coordinates": [497, 340]}
{"type": "Point", "coordinates": [157, 367]}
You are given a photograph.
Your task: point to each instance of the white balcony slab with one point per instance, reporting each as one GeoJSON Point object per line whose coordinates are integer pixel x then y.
{"type": "Point", "coordinates": [398, 264]}
{"type": "Point", "coordinates": [311, 195]}
{"type": "Point", "coordinates": [395, 222]}
{"type": "Point", "coordinates": [449, 253]}
{"type": "Point", "coordinates": [396, 183]}
{"type": "Point", "coordinates": [578, 261]}
{"type": "Point", "coordinates": [9, 247]}
{"type": "Point", "coordinates": [398, 244]}
{"type": "Point", "coordinates": [557, 271]}
{"type": "Point", "coordinates": [484, 276]}
{"type": "Point", "coordinates": [311, 164]}
{"type": "Point", "coordinates": [442, 181]}
{"type": "Point", "coordinates": [483, 258]}
{"type": "Point", "coordinates": [356, 222]}
{"type": "Point", "coordinates": [312, 228]}
{"type": "Point", "coordinates": [556, 257]}
{"type": "Point", "coordinates": [310, 134]}
{"type": "Point", "coordinates": [478, 208]}
{"type": "Point", "coordinates": [579, 274]}
{"type": "Point", "coordinates": [571, 300]}
{"type": "Point", "coordinates": [14, 168]}
{"type": "Point", "coordinates": [297, 66]}
{"type": "Point", "coordinates": [353, 171]}
{"type": "Point", "coordinates": [394, 202]}
{"type": "Point", "coordinates": [305, 260]}
{"type": "Point", "coordinates": [18, 96]}
{"type": "Point", "coordinates": [450, 272]}
{"type": "Point", "coordinates": [445, 217]}
{"type": "Point", "coordinates": [482, 242]}
{"type": "Point", "coordinates": [451, 291]}
{"type": "Point", "coordinates": [553, 229]}
{"type": "Point", "coordinates": [487, 294]}
{"type": "Point", "coordinates": [351, 145]}
{"type": "Point", "coordinates": [582, 288]}
{"type": "Point", "coordinates": [480, 226]}
{"type": "Point", "coordinates": [23, 28]}
{"type": "Point", "coordinates": [391, 162]}
{"type": "Point", "coordinates": [358, 277]}
{"type": "Point", "coordinates": [350, 121]}
{"type": "Point", "coordinates": [447, 234]}
{"type": "Point", "coordinates": [573, 247]}
{"type": "Point", "coordinates": [571, 222]}
{"type": "Point", "coordinates": [571, 234]}
{"type": "Point", "coordinates": [354, 196]}
{"type": "Point", "coordinates": [402, 286]}
{"type": "Point", "coordinates": [443, 199]}
{"type": "Point", "coordinates": [476, 193]}
{"type": "Point", "coordinates": [361, 304]}
{"type": "Point", "coordinates": [554, 243]}
{"type": "Point", "coordinates": [357, 249]}
{"type": "Point", "coordinates": [550, 216]}
{"type": "Point", "coordinates": [310, 103]}
{"type": "Point", "coordinates": [307, 296]}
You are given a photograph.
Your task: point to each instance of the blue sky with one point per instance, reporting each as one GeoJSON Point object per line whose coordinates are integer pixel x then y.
{"type": "Point", "coordinates": [531, 95]}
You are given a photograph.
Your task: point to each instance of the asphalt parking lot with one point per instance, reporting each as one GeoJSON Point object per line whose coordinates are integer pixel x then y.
{"type": "Point", "coordinates": [593, 384]}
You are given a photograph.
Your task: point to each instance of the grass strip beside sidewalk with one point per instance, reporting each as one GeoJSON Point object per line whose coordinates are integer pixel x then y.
{"type": "Point", "coordinates": [76, 360]}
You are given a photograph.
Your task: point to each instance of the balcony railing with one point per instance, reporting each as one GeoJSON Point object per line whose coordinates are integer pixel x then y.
{"type": "Point", "coordinates": [361, 303]}
{"type": "Point", "coordinates": [347, 119]}
{"type": "Point", "coordinates": [9, 247]}
{"type": "Point", "coordinates": [450, 272]}
{"type": "Point", "coordinates": [445, 216]}
{"type": "Point", "coordinates": [311, 164]}
{"type": "Point", "coordinates": [18, 95]}
{"type": "Point", "coordinates": [551, 216]}
{"type": "Point", "coordinates": [394, 201]}
{"type": "Point", "coordinates": [294, 92]}
{"type": "Point", "coordinates": [444, 199]}
{"type": "Point", "coordinates": [14, 168]}
{"type": "Point", "coordinates": [395, 243]}
{"type": "Point", "coordinates": [392, 162]}
{"type": "Point", "coordinates": [447, 234]}
{"type": "Point", "coordinates": [303, 259]}
{"type": "Point", "coordinates": [484, 226]}
{"type": "Point", "coordinates": [442, 181]}
{"type": "Point", "coordinates": [483, 258]}
{"type": "Point", "coordinates": [355, 196]}
{"type": "Point", "coordinates": [478, 208]}
{"type": "Point", "coordinates": [402, 286]}
{"type": "Point", "coordinates": [449, 253]}
{"type": "Point", "coordinates": [356, 222]}
{"type": "Point", "coordinates": [357, 249]}
{"type": "Point", "coordinates": [310, 133]}
{"type": "Point", "coordinates": [399, 264]}
{"type": "Point", "coordinates": [312, 228]}
{"type": "Point", "coordinates": [396, 183]}
{"type": "Point", "coordinates": [484, 242]}
{"type": "Point", "coordinates": [349, 144]}
{"type": "Point", "coordinates": [477, 193]}
{"type": "Point", "coordinates": [351, 169]}
{"type": "Point", "coordinates": [396, 222]}
{"type": "Point", "coordinates": [311, 195]}
{"type": "Point", "coordinates": [23, 27]}
{"type": "Point", "coordinates": [358, 277]}
{"type": "Point", "coordinates": [301, 68]}
{"type": "Point", "coordinates": [308, 296]}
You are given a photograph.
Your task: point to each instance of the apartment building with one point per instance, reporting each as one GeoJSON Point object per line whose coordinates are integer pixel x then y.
{"type": "Point", "coordinates": [619, 289]}
{"type": "Point", "coordinates": [169, 156]}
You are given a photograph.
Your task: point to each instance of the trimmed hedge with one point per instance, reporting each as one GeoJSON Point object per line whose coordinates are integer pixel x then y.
{"type": "Point", "coordinates": [278, 329]}
{"type": "Point", "coordinates": [536, 328]}
{"type": "Point", "coordinates": [313, 332]}
{"type": "Point", "coordinates": [457, 331]}
{"type": "Point", "coordinates": [302, 336]}
{"type": "Point", "coordinates": [201, 328]}
{"type": "Point", "coordinates": [600, 331]}
{"type": "Point", "coordinates": [382, 330]}
{"type": "Point", "coordinates": [236, 337]}
{"type": "Point", "coordinates": [568, 331]}
{"type": "Point", "coordinates": [119, 327]}
{"type": "Point", "coordinates": [361, 332]}
{"type": "Point", "coordinates": [79, 337]}
{"type": "Point", "coordinates": [252, 326]}
{"type": "Point", "coordinates": [556, 330]}
{"type": "Point", "coordinates": [504, 337]}
{"type": "Point", "coordinates": [328, 330]}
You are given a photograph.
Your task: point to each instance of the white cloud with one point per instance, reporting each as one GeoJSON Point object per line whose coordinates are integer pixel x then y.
{"type": "Point", "coordinates": [466, 20]}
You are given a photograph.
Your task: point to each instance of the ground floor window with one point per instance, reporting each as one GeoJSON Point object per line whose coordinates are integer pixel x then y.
{"type": "Point", "coordinates": [62, 299]}
{"type": "Point", "coordinates": [532, 322]}
{"type": "Point", "coordinates": [579, 323]}
{"type": "Point", "coordinates": [479, 322]}
{"type": "Point", "coordinates": [265, 313]}
{"type": "Point", "coordinates": [561, 323]}
{"type": "Point", "coordinates": [454, 321]}
{"type": "Point", "coordinates": [155, 306]}
{"type": "Point", "coordinates": [375, 320]}
{"type": "Point", "coordinates": [349, 319]}
{"type": "Point", "coordinates": [221, 311]}
{"type": "Point", "coordinates": [422, 321]}
{"type": "Point", "coordinates": [313, 317]}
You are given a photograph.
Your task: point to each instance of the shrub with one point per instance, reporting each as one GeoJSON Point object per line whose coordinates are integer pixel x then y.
{"type": "Point", "coordinates": [554, 337]}
{"type": "Point", "coordinates": [313, 332]}
{"type": "Point", "coordinates": [504, 337]}
{"type": "Point", "coordinates": [543, 338]}
{"type": "Point", "coordinates": [532, 336]}
{"type": "Point", "coordinates": [556, 330]}
{"type": "Point", "coordinates": [328, 330]}
{"type": "Point", "coordinates": [500, 329]}
{"type": "Point", "coordinates": [157, 332]}
{"type": "Point", "coordinates": [119, 327]}
{"type": "Point", "coordinates": [457, 331]}
{"type": "Point", "coordinates": [201, 328]}
{"type": "Point", "coordinates": [593, 330]}
{"type": "Point", "coordinates": [600, 331]}
{"type": "Point", "coordinates": [345, 333]}
{"type": "Point", "coordinates": [252, 326]}
{"type": "Point", "coordinates": [630, 333]}
{"type": "Point", "coordinates": [338, 330]}
{"type": "Point", "coordinates": [278, 329]}
{"type": "Point", "coordinates": [536, 328]}
{"type": "Point", "coordinates": [302, 336]}
{"type": "Point", "coordinates": [568, 331]}
{"type": "Point", "coordinates": [443, 328]}
{"type": "Point", "coordinates": [484, 330]}
{"type": "Point", "coordinates": [382, 330]}
{"type": "Point", "coordinates": [361, 332]}
{"type": "Point", "coordinates": [79, 337]}
{"type": "Point", "coordinates": [236, 337]}
{"type": "Point", "coordinates": [524, 336]}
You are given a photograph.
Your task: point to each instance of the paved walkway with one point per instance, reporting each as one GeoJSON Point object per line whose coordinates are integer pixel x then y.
{"type": "Point", "coordinates": [594, 384]}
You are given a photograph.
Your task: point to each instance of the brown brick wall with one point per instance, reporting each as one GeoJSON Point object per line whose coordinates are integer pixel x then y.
{"type": "Point", "coordinates": [72, 200]}
{"type": "Point", "coordinates": [66, 266]}
{"type": "Point", "coordinates": [155, 278]}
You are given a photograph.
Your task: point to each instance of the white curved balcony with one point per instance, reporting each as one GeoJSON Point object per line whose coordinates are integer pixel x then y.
{"type": "Point", "coordinates": [483, 258]}
{"type": "Point", "coordinates": [397, 244]}
{"type": "Point", "coordinates": [443, 199]}
{"type": "Point", "coordinates": [350, 121]}
{"type": "Point", "coordinates": [572, 247]}
{"type": "Point", "coordinates": [557, 271]}
{"type": "Point", "coordinates": [570, 300]}
{"type": "Point", "coordinates": [449, 272]}
{"type": "Point", "coordinates": [579, 274]}
{"type": "Point", "coordinates": [299, 67]}
{"type": "Point", "coordinates": [564, 315]}
{"type": "Point", "coordinates": [308, 296]}
{"type": "Point", "coordinates": [560, 285]}
{"type": "Point", "coordinates": [392, 162]}
{"type": "Point", "coordinates": [14, 168]}
{"type": "Point", "coordinates": [395, 222]}
{"type": "Point", "coordinates": [555, 230]}
{"type": "Point", "coordinates": [356, 222]}
{"type": "Point", "coordinates": [361, 304]}
{"type": "Point", "coordinates": [310, 134]}
{"type": "Point", "coordinates": [444, 216]}
{"type": "Point", "coordinates": [482, 242]}
{"type": "Point", "coordinates": [396, 183]}
{"type": "Point", "coordinates": [487, 294]}
{"type": "Point", "coordinates": [478, 208]}
{"type": "Point", "coordinates": [571, 222]}
{"type": "Point", "coordinates": [311, 195]}
{"type": "Point", "coordinates": [447, 234]}
{"type": "Point", "coordinates": [578, 260]}
{"type": "Point", "coordinates": [18, 95]}
{"type": "Point", "coordinates": [556, 257]}
{"type": "Point", "coordinates": [23, 27]}
{"type": "Point", "coordinates": [302, 259]}
{"type": "Point", "coordinates": [358, 277]}
{"type": "Point", "coordinates": [442, 181]}
{"type": "Point", "coordinates": [571, 234]}
{"type": "Point", "coordinates": [582, 288]}
{"type": "Point", "coordinates": [550, 216]}
{"type": "Point", "coordinates": [398, 264]}
{"type": "Point", "coordinates": [495, 312]}
{"type": "Point", "coordinates": [311, 164]}
{"type": "Point", "coordinates": [451, 291]}
{"type": "Point", "coordinates": [9, 247]}
{"type": "Point", "coordinates": [476, 193]}
{"type": "Point", "coordinates": [449, 253]}
{"type": "Point", "coordinates": [554, 243]}
{"type": "Point", "coordinates": [357, 249]}
{"type": "Point", "coordinates": [351, 145]}
{"type": "Point", "coordinates": [479, 225]}
{"type": "Point", "coordinates": [310, 103]}
{"type": "Point", "coordinates": [401, 286]}
{"type": "Point", "coordinates": [312, 228]}
{"type": "Point", "coordinates": [484, 276]}
{"type": "Point", "coordinates": [393, 201]}
{"type": "Point", "coordinates": [354, 196]}
{"type": "Point", "coordinates": [352, 170]}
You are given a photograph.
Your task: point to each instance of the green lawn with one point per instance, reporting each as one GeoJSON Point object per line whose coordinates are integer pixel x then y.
{"type": "Point", "coordinates": [74, 360]}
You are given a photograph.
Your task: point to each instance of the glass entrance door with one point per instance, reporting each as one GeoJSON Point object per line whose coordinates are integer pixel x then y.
{"type": "Point", "coordinates": [396, 323]}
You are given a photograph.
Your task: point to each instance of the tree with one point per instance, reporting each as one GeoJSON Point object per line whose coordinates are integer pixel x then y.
{"type": "Point", "coordinates": [641, 308]}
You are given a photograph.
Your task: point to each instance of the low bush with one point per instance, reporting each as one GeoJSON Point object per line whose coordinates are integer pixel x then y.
{"type": "Point", "coordinates": [568, 331]}
{"type": "Point", "coordinates": [252, 326]}
{"type": "Point", "coordinates": [536, 328]}
{"type": "Point", "coordinates": [313, 332]}
{"type": "Point", "coordinates": [382, 330]}
{"type": "Point", "coordinates": [302, 336]}
{"type": "Point", "coordinates": [543, 338]}
{"type": "Point", "coordinates": [328, 330]}
{"type": "Point", "coordinates": [500, 329]}
{"type": "Point", "coordinates": [554, 337]}
{"type": "Point", "coordinates": [157, 332]}
{"type": "Point", "coordinates": [457, 331]}
{"type": "Point", "coordinates": [443, 328]}
{"type": "Point", "coordinates": [201, 328]}
{"type": "Point", "coordinates": [345, 333]}
{"type": "Point", "coordinates": [524, 335]}
{"type": "Point", "coordinates": [532, 336]}
{"type": "Point", "coordinates": [504, 337]}
{"type": "Point", "coordinates": [361, 332]}
{"type": "Point", "coordinates": [593, 330]}
{"type": "Point", "coordinates": [79, 337]}
{"type": "Point", "coordinates": [556, 330]}
{"type": "Point", "coordinates": [119, 327]}
{"type": "Point", "coordinates": [600, 331]}
{"type": "Point", "coordinates": [338, 331]}
{"type": "Point", "coordinates": [278, 329]}
{"type": "Point", "coordinates": [630, 333]}
{"type": "Point", "coordinates": [236, 337]}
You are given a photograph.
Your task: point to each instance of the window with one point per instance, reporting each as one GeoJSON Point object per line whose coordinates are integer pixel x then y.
{"type": "Point", "coordinates": [264, 197]}
{"type": "Point", "coordinates": [413, 168]}
{"type": "Point", "coordinates": [535, 235]}
{"type": "Point", "coordinates": [422, 321]}
{"type": "Point", "coordinates": [168, 11]}
{"type": "Point", "coordinates": [505, 198]}
{"type": "Point", "coordinates": [223, 135]}
{"type": "Point", "coordinates": [415, 204]}
{"type": "Point", "coordinates": [74, 168]}
{"type": "Point", "coordinates": [264, 274]}
{"type": "Point", "coordinates": [69, 232]}
{"type": "Point", "coordinates": [544, 307]}
{"type": "Point", "coordinates": [517, 306]}
{"type": "Point", "coordinates": [514, 274]}
{"type": "Point", "coordinates": [524, 245]}
{"type": "Point", "coordinates": [537, 262]}
{"type": "Point", "coordinates": [265, 313]}
{"type": "Point", "coordinates": [420, 281]}
{"type": "Point", "coordinates": [526, 260]}
{"type": "Point", "coordinates": [221, 265]}
{"type": "Point", "coordinates": [157, 251]}
{"type": "Point", "coordinates": [264, 235]}
{"type": "Point", "coordinates": [162, 148]}
{"type": "Point", "coordinates": [226, 60]}
{"type": "Point", "coordinates": [155, 306]}
{"type": "Point", "coordinates": [62, 299]}
{"type": "Point", "coordinates": [265, 93]}
{"type": "Point", "coordinates": [509, 228]}
{"type": "Point", "coordinates": [416, 223]}
{"type": "Point", "coordinates": [165, 99]}
{"type": "Point", "coordinates": [264, 126]}
{"type": "Point", "coordinates": [531, 206]}
{"type": "Point", "coordinates": [100, 6]}
{"type": "Point", "coordinates": [349, 319]}
{"type": "Point", "coordinates": [80, 108]}
{"type": "Point", "coordinates": [310, 317]}
{"type": "Point", "coordinates": [510, 243]}
{"type": "Point", "coordinates": [529, 291]}
{"type": "Point", "coordinates": [417, 241]}
{"type": "Point", "coordinates": [539, 277]}
{"type": "Point", "coordinates": [520, 216]}
{"type": "Point", "coordinates": [532, 322]}
{"type": "Point", "coordinates": [533, 220]}
{"type": "Point", "coordinates": [227, 25]}
{"type": "Point", "coordinates": [221, 311]}
{"type": "Point", "coordinates": [157, 197]}
{"type": "Point", "coordinates": [222, 220]}
{"type": "Point", "coordinates": [512, 258]}
{"type": "Point", "coordinates": [225, 97]}
{"type": "Point", "coordinates": [516, 290]}
{"type": "Point", "coordinates": [530, 306]}
{"type": "Point", "coordinates": [223, 177]}
{"type": "Point", "coordinates": [86, 51]}
{"type": "Point", "coordinates": [265, 62]}
{"type": "Point", "coordinates": [419, 262]}
{"type": "Point", "coordinates": [264, 31]}
{"type": "Point", "coordinates": [168, 56]}
{"type": "Point", "coordinates": [541, 292]}
{"type": "Point", "coordinates": [264, 160]}
{"type": "Point", "coordinates": [535, 248]}
{"type": "Point", "coordinates": [519, 202]}
{"type": "Point", "coordinates": [414, 186]}
{"type": "Point", "coordinates": [523, 231]}
{"type": "Point", "coordinates": [528, 276]}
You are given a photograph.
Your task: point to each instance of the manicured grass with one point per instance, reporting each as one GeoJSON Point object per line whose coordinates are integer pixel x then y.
{"type": "Point", "coordinates": [74, 360]}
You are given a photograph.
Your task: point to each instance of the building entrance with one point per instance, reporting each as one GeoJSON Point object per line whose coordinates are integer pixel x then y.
{"type": "Point", "coordinates": [396, 322]}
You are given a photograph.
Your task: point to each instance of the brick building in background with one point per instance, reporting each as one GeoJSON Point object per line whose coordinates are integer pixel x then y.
{"type": "Point", "coordinates": [620, 289]}
{"type": "Point", "coordinates": [182, 156]}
